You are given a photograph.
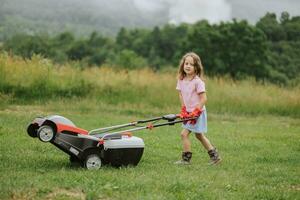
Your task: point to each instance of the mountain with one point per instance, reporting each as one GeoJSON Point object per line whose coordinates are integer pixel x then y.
{"type": "Point", "coordinates": [80, 17]}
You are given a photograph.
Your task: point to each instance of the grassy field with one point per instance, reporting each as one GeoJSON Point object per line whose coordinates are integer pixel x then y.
{"type": "Point", "coordinates": [22, 81]}
{"type": "Point", "coordinates": [255, 127]}
{"type": "Point", "coordinates": [261, 158]}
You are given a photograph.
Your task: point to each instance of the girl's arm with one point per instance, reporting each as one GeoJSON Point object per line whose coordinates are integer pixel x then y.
{"type": "Point", "coordinates": [202, 100]}
{"type": "Point", "coordinates": [181, 99]}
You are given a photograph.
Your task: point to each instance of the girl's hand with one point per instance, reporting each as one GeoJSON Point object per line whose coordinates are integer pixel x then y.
{"type": "Point", "coordinates": [196, 113]}
{"type": "Point", "coordinates": [183, 114]}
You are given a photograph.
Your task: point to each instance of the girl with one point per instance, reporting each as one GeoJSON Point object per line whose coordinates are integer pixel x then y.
{"type": "Point", "coordinates": [193, 98]}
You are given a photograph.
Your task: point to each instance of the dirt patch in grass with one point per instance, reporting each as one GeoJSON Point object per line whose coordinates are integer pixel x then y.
{"type": "Point", "coordinates": [295, 188]}
{"type": "Point", "coordinates": [23, 195]}
{"type": "Point", "coordinates": [68, 194]}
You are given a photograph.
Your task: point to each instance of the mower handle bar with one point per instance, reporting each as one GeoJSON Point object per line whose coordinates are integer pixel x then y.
{"type": "Point", "coordinates": [169, 117]}
{"type": "Point", "coordinates": [171, 121]}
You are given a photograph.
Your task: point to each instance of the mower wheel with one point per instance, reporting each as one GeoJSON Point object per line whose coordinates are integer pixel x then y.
{"type": "Point", "coordinates": [45, 133]}
{"type": "Point", "coordinates": [93, 161]}
{"type": "Point", "coordinates": [74, 161]}
{"type": "Point", "coordinates": [32, 130]}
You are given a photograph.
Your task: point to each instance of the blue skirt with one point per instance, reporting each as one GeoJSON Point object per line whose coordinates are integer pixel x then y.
{"type": "Point", "coordinates": [201, 125]}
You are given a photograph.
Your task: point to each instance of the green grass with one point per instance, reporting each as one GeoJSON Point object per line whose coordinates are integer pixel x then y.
{"type": "Point", "coordinates": [261, 156]}
{"type": "Point", "coordinates": [255, 127]}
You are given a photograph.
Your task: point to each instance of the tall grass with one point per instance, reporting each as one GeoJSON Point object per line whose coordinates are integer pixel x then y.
{"type": "Point", "coordinates": [39, 78]}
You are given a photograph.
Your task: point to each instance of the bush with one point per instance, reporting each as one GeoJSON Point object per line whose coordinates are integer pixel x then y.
{"type": "Point", "coordinates": [278, 78]}
{"type": "Point", "coordinates": [130, 60]}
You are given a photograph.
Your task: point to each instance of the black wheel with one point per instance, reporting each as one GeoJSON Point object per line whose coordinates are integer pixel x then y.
{"type": "Point", "coordinates": [93, 161]}
{"type": "Point", "coordinates": [74, 159]}
{"type": "Point", "coordinates": [46, 133]}
{"type": "Point", "coordinates": [32, 130]}
{"type": "Point", "coordinates": [76, 162]}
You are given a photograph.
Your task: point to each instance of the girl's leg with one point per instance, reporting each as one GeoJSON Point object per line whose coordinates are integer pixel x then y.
{"type": "Point", "coordinates": [186, 143]}
{"type": "Point", "coordinates": [205, 142]}
{"type": "Point", "coordinates": [185, 140]}
{"type": "Point", "coordinates": [212, 151]}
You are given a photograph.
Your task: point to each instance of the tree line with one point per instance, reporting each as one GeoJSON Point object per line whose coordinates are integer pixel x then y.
{"type": "Point", "coordinates": [268, 50]}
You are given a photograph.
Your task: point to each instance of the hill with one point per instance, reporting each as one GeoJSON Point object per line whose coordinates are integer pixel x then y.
{"type": "Point", "coordinates": [80, 17]}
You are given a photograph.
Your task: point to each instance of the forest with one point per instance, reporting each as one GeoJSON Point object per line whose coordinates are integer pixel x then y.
{"type": "Point", "coordinates": [267, 51]}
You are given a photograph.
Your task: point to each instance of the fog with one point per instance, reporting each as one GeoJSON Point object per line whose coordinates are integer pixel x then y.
{"type": "Point", "coordinates": [215, 11]}
{"type": "Point", "coordinates": [255, 9]}
{"type": "Point", "coordinates": [107, 17]}
{"type": "Point", "coordinates": [188, 11]}
{"type": "Point", "coordinates": [159, 11]}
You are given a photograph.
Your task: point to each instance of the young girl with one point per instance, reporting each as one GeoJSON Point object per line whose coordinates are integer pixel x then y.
{"type": "Point", "coordinates": [193, 98]}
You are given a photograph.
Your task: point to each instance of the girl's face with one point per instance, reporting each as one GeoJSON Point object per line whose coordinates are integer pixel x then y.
{"type": "Point", "coordinates": [189, 66]}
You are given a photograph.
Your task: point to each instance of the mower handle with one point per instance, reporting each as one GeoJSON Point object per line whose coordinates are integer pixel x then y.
{"type": "Point", "coordinates": [171, 121]}
{"type": "Point", "coordinates": [170, 118]}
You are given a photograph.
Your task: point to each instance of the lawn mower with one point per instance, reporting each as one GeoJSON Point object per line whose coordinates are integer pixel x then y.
{"type": "Point", "coordinates": [92, 149]}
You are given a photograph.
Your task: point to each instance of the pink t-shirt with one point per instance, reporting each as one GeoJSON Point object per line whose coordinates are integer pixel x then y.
{"type": "Point", "coordinates": [190, 90]}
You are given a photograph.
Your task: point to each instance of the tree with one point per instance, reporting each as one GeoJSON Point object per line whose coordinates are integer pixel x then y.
{"type": "Point", "coordinates": [244, 50]}
{"type": "Point", "coordinates": [270, 26]}
{"type": "Point", "coordinates": [79, 50]}
{"type": "Point", "coordinates": [27, 46]}
{"type": "Point", "coordinates": [123, 39]}
{"type": "Point", "coordinates": [285, 17]}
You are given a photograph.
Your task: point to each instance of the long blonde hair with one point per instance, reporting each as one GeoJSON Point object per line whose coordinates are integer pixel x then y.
{"type": "Point", "coordinates": [199, 71]}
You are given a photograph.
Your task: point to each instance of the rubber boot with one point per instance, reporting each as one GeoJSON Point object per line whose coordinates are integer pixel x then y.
{"type": "Point", "coordinates": [214, 157]}
{"type": "Point", "coordinates": [185, 158]}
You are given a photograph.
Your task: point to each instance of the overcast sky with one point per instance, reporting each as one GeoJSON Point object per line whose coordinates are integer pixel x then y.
{"type": "Point", "coordinates": [217, 10]}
